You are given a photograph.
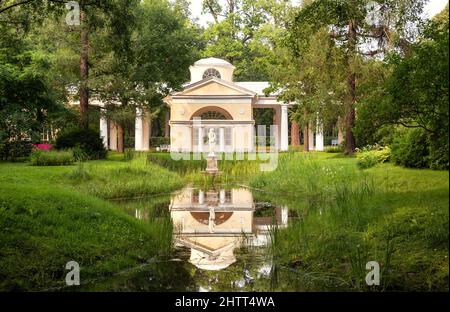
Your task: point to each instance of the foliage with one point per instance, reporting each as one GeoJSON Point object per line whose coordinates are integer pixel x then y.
{"type": "Point", "coordinates": [395, 215]}
{"type": "Point", "coordinates": [132, 179]}
{"type": "Point", "coordinates": [79, 154]}
{"type": "Point", "coordinates": [413, 93]}
{"type": "Point", "coordinates": [45, 223]}
{"type": "Point", "coordinates": [87, 140]}
{"type": "Point", "coordinates": [322, 180]}
{"type": "Point", "coordinates": [359, 29]}
{"type": "Point", "coordinates": [128, 154]}
{"type": "Point", "coordinates": [334, 149]}
{"type": "Point", "coordinates": [52, 158]}
{"type": "Point", "coordinates": [245, 32]}
{"type": "Point", "coordinates": [411, 149]}
{"type": "Point", "coordinates": [158, 141]}
{"type": "Point", "coordinates": [26, 97]}
{"type": "Point", "coordinates": [159, 44]}
{"type": "Point", "coordinates": [165, 160]}
{"type": "Point", "coordinates": [12, 150]}
{"type": "Point", "coordinates": [371, 157]}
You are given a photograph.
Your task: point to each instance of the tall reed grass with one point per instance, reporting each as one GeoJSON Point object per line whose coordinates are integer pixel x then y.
{"type": "Point", "coordinates": [132, 179]}
{"type": "Point", "coordinates": [349, 216]}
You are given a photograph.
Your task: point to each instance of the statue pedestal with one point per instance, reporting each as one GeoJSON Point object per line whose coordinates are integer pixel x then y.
{"type": "Point", "coordinates": [211, 166]}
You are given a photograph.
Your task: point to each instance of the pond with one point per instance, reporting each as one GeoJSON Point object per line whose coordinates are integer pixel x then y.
{"type": "Point", "coordinates": [221, 241]}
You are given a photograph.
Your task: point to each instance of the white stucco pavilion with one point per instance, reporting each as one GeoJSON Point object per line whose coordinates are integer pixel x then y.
{"type": "Point", "coordinates": [212, 99]}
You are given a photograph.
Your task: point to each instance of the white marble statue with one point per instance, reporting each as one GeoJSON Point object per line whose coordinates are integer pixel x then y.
{"type": "Point", "coordinates": [212, 219]}
{"type": "Point", "coordinates": [212, 141]}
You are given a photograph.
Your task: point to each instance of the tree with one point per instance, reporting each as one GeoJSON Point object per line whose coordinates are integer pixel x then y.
{"type": "Point", "coordinates": [94, 15]}
{"type": "Point", "coordinates": [415, 93]}
{"type": "Point", "coordinates": [363, 29]}
{"type": "Point", "coordinates": [26, 97]}
{"type": "Point", "coordinates": [152, 60]}
{"type": "Point", "coordinates": [312, 80]}
{"type": "Point", "coordinates": [244, 33]}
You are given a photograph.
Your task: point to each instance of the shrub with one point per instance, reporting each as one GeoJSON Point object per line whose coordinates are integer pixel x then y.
{"type": "Point", "coordinates": [79, 154]}
{"type": "Point", "coordinates": [370, 157]}
{"type": "Point", "coordinates": [158, 141]}
{"type": "Point", "coordinates": [52, 158]}
{"type": "Point", "coordinates": [87, 140]}
{"type": "Point", "coordinates": [334, 149]}
{"type": "Point", "coordinates": [411, 149]}
{"type": "Point", "coordinates": [438, 147]}
{"type": "Point", "coordinates": [14, 149]}
{"type": "Point", "coordinates": [129, 154]}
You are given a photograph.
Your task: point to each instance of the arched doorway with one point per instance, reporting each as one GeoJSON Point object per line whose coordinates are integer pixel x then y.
{"type": "Point", "coordinates": [212, 113]}
{"type": "Point", "coordinates": [212, 117]}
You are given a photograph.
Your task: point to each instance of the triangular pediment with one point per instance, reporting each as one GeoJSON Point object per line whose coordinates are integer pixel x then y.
{"type": "Point", "coordinates": [214, 87]}
{"type": "Point", "coordinates": [210, 244]}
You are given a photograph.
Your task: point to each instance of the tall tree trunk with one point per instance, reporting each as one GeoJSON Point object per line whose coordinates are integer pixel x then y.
{"type": "Point", "coordinates": [340, 127]}
{"type": "Point", "coordinates": [120, 148]}
{"type": "Point", "coordinates": [295, 138]}
{"type": "Point", "coordinates": [306, 139]}
{"type": "Point", "coordinates": [350, 144]}
{"type": "Point", "coordinates": [84, 72]}
{"type": "Point", "coordinates": [306, 134]}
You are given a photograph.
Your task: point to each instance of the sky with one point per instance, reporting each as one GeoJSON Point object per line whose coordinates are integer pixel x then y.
{"type": "Point", "coordinates": [433, 7]}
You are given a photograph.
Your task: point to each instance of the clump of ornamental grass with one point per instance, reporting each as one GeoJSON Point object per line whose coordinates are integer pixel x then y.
{"type": "Point", "coordinates": [52, 158]}
{"type": "Point", "coordinates": [132, 179]}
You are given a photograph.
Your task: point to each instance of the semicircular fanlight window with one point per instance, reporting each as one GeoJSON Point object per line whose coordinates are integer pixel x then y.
{"type": "Point", "coordinates": [213, 115]}
{"type": "Point", "coordinates": [211, 72]}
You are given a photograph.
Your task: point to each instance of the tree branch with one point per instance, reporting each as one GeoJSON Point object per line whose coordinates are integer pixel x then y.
{"type": "Point", "coordinates": [14, 5]}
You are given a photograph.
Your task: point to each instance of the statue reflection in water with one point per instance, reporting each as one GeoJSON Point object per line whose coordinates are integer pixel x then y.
{"type": "Point", "coordinates": [213, 223]}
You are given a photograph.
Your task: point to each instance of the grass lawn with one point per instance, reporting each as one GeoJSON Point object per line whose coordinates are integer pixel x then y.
{"type": "Point", "coordinates": [52, 215]}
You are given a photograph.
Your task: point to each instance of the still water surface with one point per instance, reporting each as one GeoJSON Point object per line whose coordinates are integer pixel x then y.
{"type": "Point", "coordinates": [221, 242]}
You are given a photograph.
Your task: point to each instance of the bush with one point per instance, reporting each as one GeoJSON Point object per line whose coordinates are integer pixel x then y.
{"type": "Point", "coordinates": [129, 154]}
{"type": "Point", "coordinates": [87, 140]}
{"type": "Point", "coordinates": [334, 149]}
{"type": "Point", "coordinates": [411, 149]}
{"type": "Point", "coordinates": [52, 158]}
{"type": "Point", "coordinates": [370, 157]}
{"type": "Point", "coordinates": [79, 154]}
{"type": "Point", "coordinates": [158, 141]}
{"type": "Point", "coordinates": [11, 150]}
{"type": "Point", "coordinates": [438, 147]}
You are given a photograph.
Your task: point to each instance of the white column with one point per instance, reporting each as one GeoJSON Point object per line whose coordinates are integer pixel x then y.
{"type": "Point", "coordinates": [222, 196]}
{"type": "Point", "coordinates": [319, 137]}
{"type": "Point", "coordinates": [222, 139]}
{"type": "Point", "coordinates": [276, 122]}
{"type": "Point", "coordinates": [200, 139]}
{"type": "Point", "coordinates": [201, 197]}
{"type": "Point", "coordinates": [112, 136]}
{"type": "Point", "coordinates": [138, 130]}
{"type": "Point", "coordinates": [251, 142]}
{"type": "Point", "coordinates": [104, 129]}
{"type": "Point", "coordinates": [310, 138]}
{"type": "Point", "coordinates": [284, 144]}
{"type": "Point", "coordinates": [284, 215]}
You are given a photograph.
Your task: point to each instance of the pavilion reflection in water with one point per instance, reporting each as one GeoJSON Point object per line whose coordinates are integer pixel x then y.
{"type": "Point", "coordinates": [213, 223]}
